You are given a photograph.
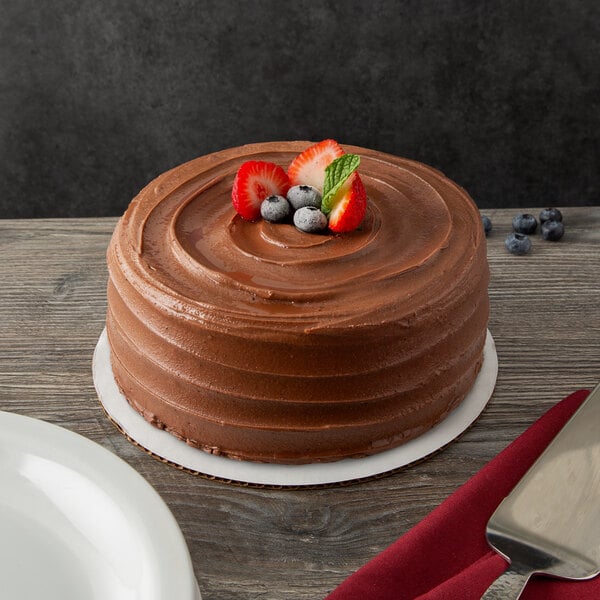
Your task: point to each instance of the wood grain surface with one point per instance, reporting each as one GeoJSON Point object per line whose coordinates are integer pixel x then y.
{"type": "Point", "coordinates": [281, 544]}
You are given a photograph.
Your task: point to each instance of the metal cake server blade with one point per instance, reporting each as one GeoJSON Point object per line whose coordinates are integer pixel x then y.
{"type": "Point", "coordinates": [550, 522]}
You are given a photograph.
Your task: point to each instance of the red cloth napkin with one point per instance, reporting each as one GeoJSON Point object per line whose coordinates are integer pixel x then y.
{"type": "Point", "coordinates": [446, 556]}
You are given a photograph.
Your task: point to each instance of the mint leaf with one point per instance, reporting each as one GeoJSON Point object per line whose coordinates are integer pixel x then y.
{"type": "Point", "coordinates": [335, 176]}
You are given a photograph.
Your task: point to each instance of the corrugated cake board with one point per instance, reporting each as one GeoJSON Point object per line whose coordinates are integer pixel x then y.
{"type": "Point", "coordinates": [171, 450]}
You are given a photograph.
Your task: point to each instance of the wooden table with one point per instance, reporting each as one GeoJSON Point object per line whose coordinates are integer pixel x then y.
{"type": "Point", "coordinates": [270, 544]}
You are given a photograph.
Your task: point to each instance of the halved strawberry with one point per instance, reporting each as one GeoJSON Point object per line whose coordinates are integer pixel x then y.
{"type": "Point", "coordinates": [349, 205]}
{"type": "Point", "coordinates": [308, 168]}
{"type": "Point", "coordinates": [255, 181]}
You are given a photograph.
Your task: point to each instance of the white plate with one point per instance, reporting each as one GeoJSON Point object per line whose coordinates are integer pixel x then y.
{"type": "Point", "coordinates": [166, 446]}
{"type": "Point", "coordinates": [78, 523]}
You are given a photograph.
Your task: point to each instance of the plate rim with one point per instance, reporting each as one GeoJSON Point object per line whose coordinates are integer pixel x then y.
{"type": "Point", "coordinates": [96, 463]}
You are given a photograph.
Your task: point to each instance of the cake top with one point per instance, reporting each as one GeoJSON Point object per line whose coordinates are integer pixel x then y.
{"type": "Point", "coordinates": [198, 256]}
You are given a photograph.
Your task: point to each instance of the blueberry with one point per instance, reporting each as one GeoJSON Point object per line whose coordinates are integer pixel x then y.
{"type": "Point", "coordinates": [552, 230]}
{"type": "Point", "coordinates": [487, 224]}
{"type": "Point", "coordinates": [524, 223]}
{"type": "Point", "coordinates": [517, 243]}
{"type": "Point", "coordinates": [550, 214]}
{"type": "Point", "coordinates": [310, 219]}
{"type": "Point", "coordinates": [304, 195]}
{"type": "Point", "coordinates": [275, 209]}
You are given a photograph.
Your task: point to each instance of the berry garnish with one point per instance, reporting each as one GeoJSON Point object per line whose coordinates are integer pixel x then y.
{"type": "Point", "coordinates": [348, 206]}
{"type": "Point", "coordinates": [310, 219]}
{"type": "Point", "coordinates": [487, 224]}
{"type": "Point", "coordinates": [517, 243]}
{"type": "Point", "coordinates": [552, 230]}
{"type": "Point", "coordinates": [524, 223]}
{"type": "Point", "coordinates": [308, 168]}
{"type": "Point", "coordinates": [304, 195]}
{"type": "Point", "coordinates": [275, 209]}
{"type": "Point", "coordinates": [344, 195]}
{"type": "Point", "coordinates": [550, 214]}
{"type": "Point", "coordinates": [255, 181]}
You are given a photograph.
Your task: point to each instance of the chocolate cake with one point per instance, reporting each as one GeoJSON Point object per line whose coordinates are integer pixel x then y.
{"type": "Point", "coordinates": [260, 342]}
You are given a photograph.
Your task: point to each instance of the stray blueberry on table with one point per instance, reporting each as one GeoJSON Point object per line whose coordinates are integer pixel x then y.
{"type": "Point", "coordinates": [524, 223]}
{"type": "Point", "coordinates": [275, 209]}
{"type": "Point", "coordinates": [310, 219]}
{"type": "Point", "coordinates": [487, 224]}
{"type": "Point", "coordinates": [550, 214]}
{"type": "Point", "coordinates": [517, 243]}
{"type": "Point", "coordinates": [304, 195]}
{"type": "Point", "coordinates": [552, 230]}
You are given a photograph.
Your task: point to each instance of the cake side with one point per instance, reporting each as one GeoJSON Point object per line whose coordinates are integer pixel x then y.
{"type": "Point", "coordinates": [262, 343]}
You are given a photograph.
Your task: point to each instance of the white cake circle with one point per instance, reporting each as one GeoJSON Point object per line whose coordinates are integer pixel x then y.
{"type": "Point", "coordinates": [167, 447]}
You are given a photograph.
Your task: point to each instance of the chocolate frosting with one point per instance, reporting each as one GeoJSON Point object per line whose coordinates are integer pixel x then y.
{"type": "Point", "coordinates": [261, 342]}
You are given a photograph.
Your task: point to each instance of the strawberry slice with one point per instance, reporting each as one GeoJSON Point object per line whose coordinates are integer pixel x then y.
{"type": "Point", "coordinates": [349, 205]}
{"type": "Point", "coordinates": [255, 181]}
{"type": "Point", "coordinates": [308, 168]}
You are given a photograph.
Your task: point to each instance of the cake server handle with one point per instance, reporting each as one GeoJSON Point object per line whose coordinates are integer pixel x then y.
{"type": "Point", "coordinates": [510, 585]}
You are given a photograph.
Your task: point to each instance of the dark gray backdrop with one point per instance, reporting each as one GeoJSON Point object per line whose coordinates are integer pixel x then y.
{"type": "Point", "coordinates": [99, 96]}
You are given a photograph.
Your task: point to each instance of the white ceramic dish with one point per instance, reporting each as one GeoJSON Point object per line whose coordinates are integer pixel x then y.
{"type": "Point", "coordinates": [78, 523]}
{"type": "Point", "coordinates": [166, 446]}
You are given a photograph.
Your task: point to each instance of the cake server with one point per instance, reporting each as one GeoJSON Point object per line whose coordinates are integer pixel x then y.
{"type": "Point", "coordinates": [550, 522]}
